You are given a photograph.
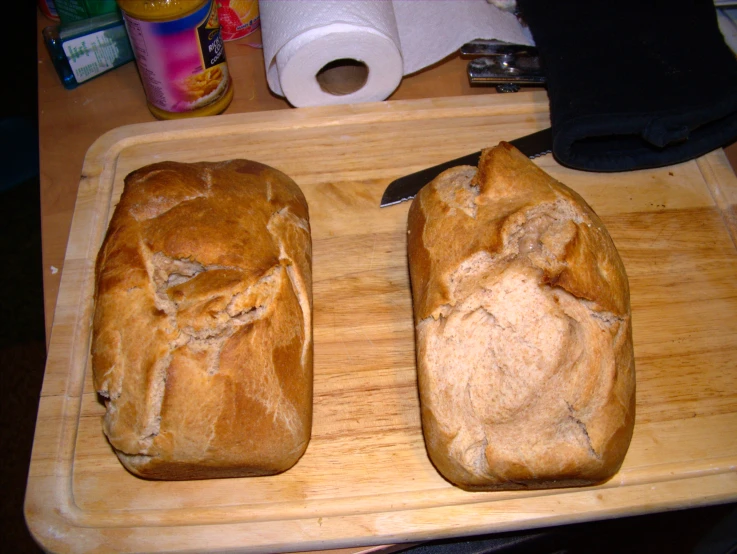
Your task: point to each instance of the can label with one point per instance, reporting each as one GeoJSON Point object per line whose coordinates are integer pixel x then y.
{"type": "Point", "coordinates": [238, 18]}
{"type": "Point", "coordinates": [181, 62]}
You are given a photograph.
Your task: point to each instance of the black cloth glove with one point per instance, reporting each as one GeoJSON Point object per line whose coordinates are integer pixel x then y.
{"type": "Point", "coordinates": [634, 84]}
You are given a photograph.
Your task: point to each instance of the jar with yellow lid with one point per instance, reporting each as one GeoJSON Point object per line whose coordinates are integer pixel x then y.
{"type": "Point", "coordinates": [180, 55]}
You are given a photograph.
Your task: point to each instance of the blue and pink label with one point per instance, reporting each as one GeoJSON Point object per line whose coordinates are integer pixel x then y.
{"type": "Point", "coordinates": [181, 62]}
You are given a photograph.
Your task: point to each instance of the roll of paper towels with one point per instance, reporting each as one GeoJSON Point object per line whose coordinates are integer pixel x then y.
{"type": "Point", "coordinates": [320, 52]}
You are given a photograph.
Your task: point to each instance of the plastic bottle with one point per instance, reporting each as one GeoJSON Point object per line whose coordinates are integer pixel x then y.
{"type": "Point", "coordinates": [180, 55]}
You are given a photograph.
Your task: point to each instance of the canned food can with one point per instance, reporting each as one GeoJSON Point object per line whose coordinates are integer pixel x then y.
{"type": "Point", "coordinates": [238, 18]}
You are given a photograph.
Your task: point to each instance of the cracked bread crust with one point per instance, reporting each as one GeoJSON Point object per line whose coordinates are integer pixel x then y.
{"type": "Point", "coordinates": [523, 329]}
{"type": "Point", "coordinates": [202, 331]}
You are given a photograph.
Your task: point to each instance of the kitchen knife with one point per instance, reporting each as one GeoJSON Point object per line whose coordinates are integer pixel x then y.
{"type": "Point", "coordinates": [405, 188]}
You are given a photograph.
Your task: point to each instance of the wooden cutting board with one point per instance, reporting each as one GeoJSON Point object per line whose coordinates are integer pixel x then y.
{"type": "Point", "coordinates": [366, 478]}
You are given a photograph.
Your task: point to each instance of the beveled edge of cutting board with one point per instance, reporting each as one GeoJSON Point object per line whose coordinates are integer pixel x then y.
{"type": "Point", "coordinates": [70, 341]}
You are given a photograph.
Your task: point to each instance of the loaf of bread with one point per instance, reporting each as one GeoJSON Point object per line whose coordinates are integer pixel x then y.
{"type": "Point", "coordinates": [202, 331]}
{"type": "Point", "coordinates": [523, 330]}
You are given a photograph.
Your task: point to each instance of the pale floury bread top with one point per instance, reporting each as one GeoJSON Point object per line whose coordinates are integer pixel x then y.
{"type": "Point", "coordinates": [202, 335]}
{"type": "Point", "coordinates": [522, 314]}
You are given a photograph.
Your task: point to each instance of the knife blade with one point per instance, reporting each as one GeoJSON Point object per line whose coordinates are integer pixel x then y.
{"type": "Point", "coordinates": [405, 188]}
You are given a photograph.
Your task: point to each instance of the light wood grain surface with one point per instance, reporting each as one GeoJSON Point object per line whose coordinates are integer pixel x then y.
{"type": "Point", "coordinates": [365, 478]}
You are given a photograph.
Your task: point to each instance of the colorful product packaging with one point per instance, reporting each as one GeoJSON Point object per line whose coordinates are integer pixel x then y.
{"type": "Point", "coordinates": [180, 55]}
{"type": "Point", "coordinates": [238, 18]}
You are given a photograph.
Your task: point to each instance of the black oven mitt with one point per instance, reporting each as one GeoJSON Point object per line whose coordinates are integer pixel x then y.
{"type": "Point", "coordinates": [634, 84]}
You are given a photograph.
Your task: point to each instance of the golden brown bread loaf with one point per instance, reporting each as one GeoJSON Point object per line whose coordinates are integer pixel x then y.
{"type": "Point", "coordinates": [523, 332]}
{"type": "Point", "coordinates": [202, 332]}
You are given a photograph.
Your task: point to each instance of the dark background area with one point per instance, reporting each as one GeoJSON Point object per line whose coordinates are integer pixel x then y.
{"type": "Point", "coordinates": [711, 530]}
{"type": "Point", "coordinates": [22, 334]}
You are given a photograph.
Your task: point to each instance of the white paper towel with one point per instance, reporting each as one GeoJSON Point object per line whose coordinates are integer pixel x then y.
{"type": "Point", "coordinates": [392, 38]}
